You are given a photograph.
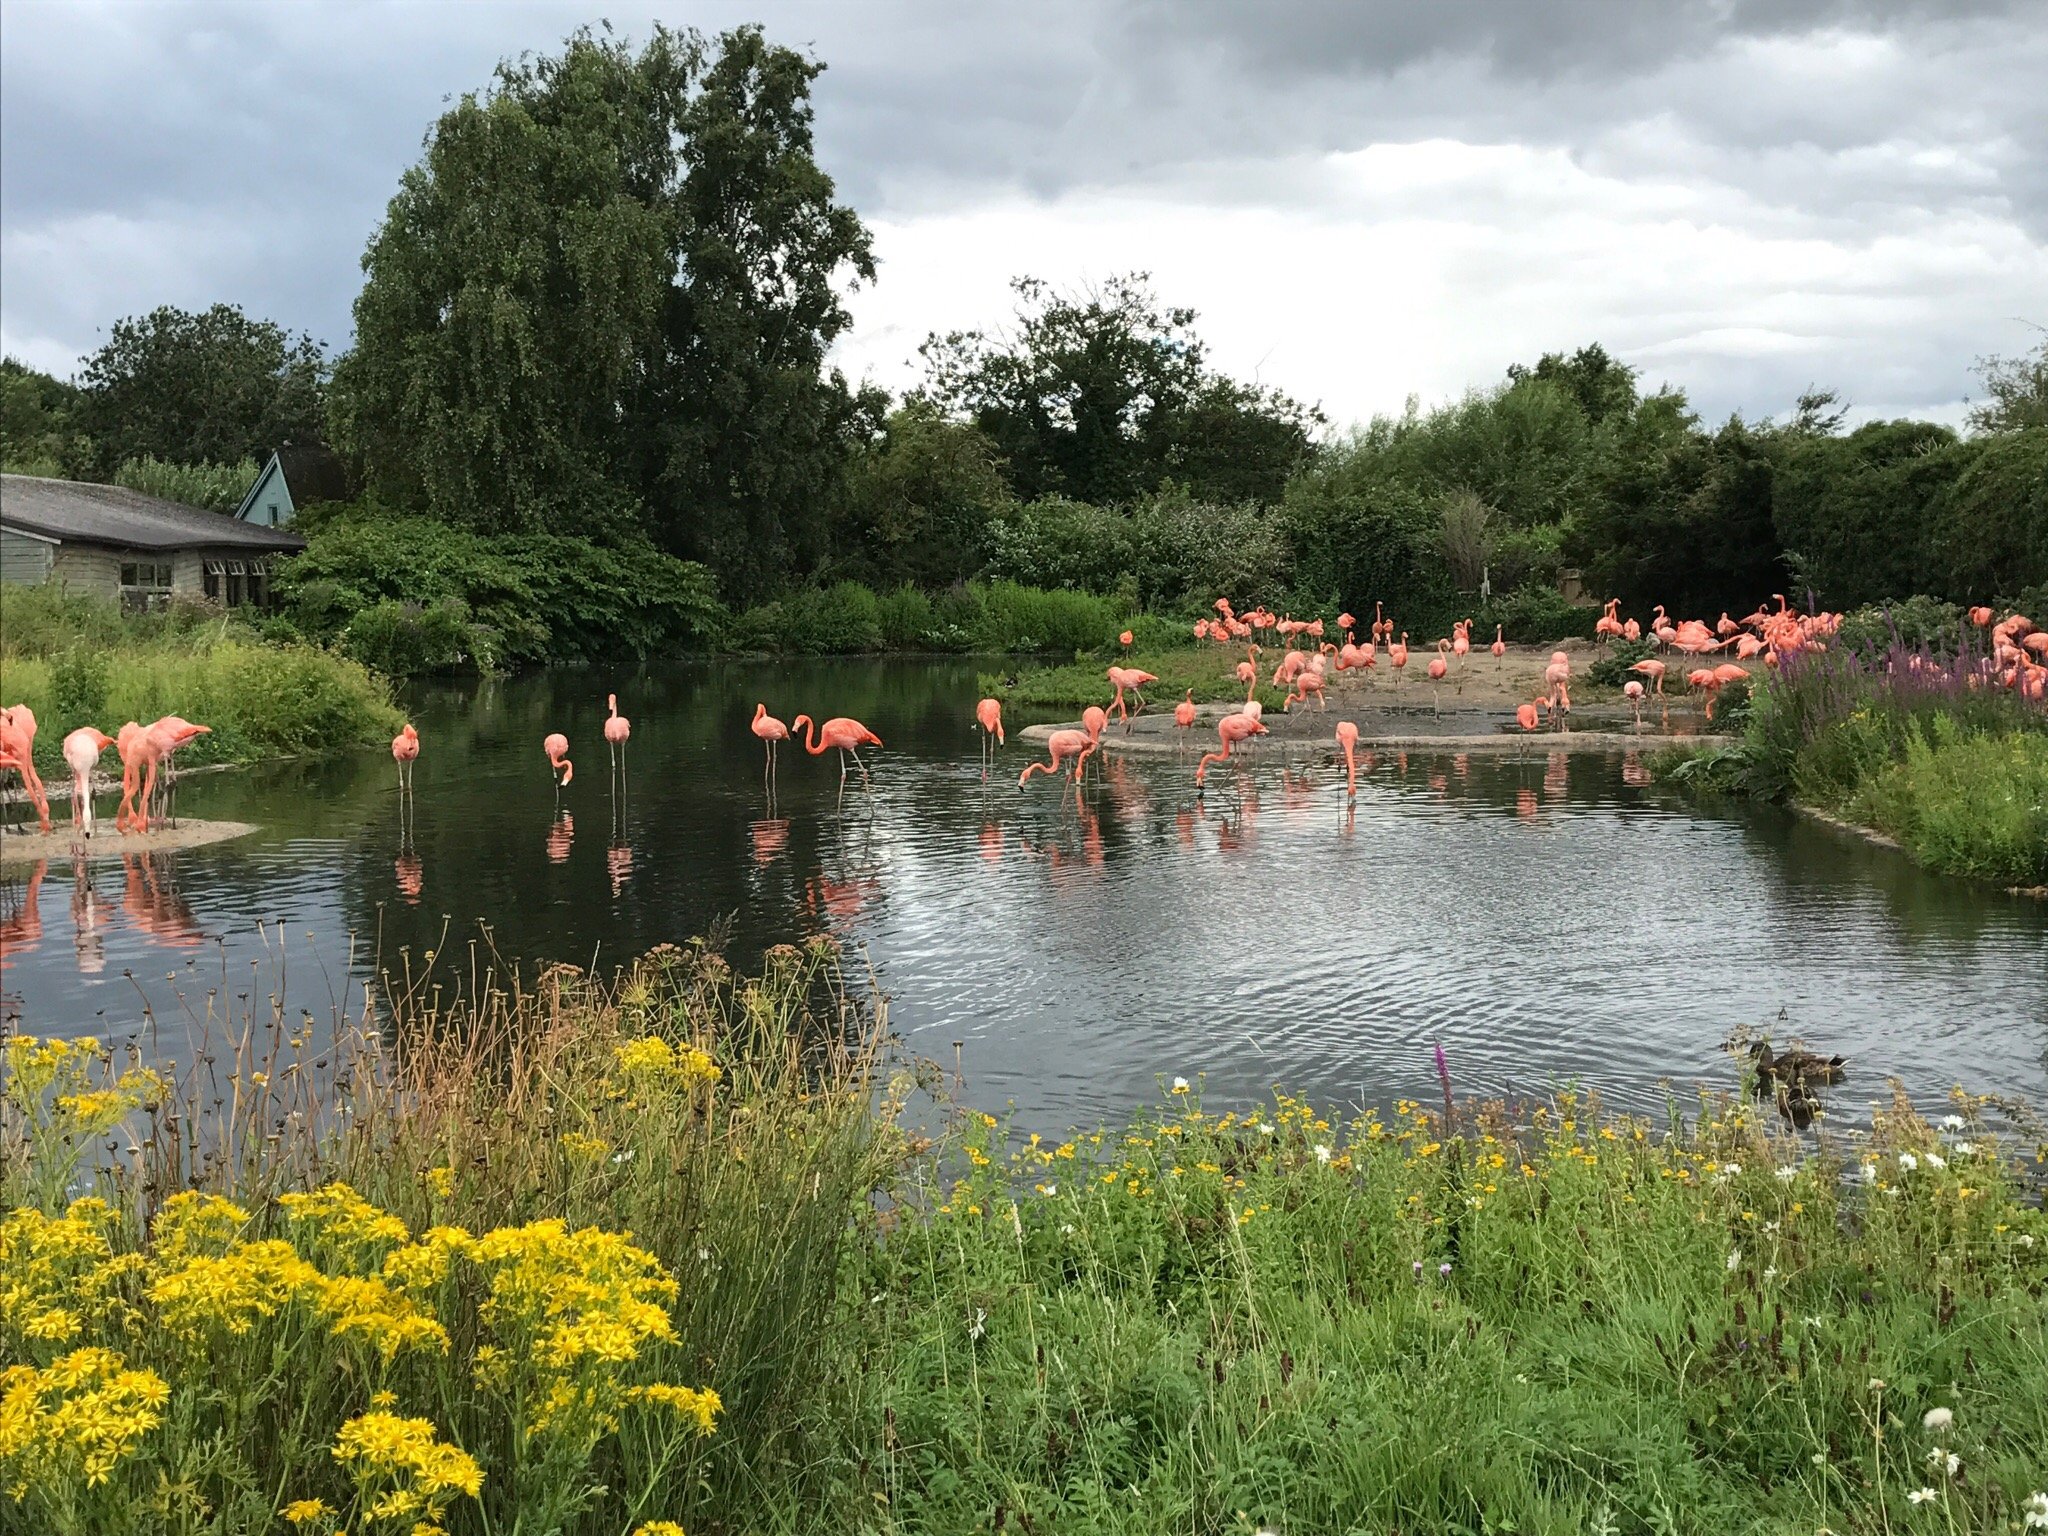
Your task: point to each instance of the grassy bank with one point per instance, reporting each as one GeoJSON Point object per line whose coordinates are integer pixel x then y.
{"type": "Point", "coordinates": [1904, 742]}
{"type": "Point", "coordinates": [1207, 669]}
{"type": "Point", "coordinates": [75, 662]}
{"type": "Point", "coordinates": [590, 1256]}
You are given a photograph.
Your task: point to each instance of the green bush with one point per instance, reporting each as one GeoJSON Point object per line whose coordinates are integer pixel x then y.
{"type": "Point", "coordinates": [219, 487]}
{"type": "Point", "coordinates": [1026, 619]}
{"type": "Point", "coordinates": [1536, 615]}
{"type": "Point", "coordinates": [1611, 669]}
{"type": "Point", "coordinates": [1966, 804]}
{"type": "Point", "coordinates": [1915, 622]}
{"type": "Point", "coordinates": [406, 639]}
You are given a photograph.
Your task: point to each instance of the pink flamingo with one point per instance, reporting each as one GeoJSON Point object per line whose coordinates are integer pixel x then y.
{"type": "Point", "coordinates": [1527, 715]}
{"type": "Point", "coordinates": [771, 733]}
{"type": "Point", "coordinates": [82, 749]}
{"type": "Point", "coordinates": [1309, 680]}
{"type": "Point", "coordinates": [1439, 668]}
{"type": "Point", "coordinates": [1499, 646]}
{"type": "Point", "coordinates": [1607, 624]}
{"type": "Point", "coordinates": [1248, 674]}
{"type": "Point", "coordinates": [1557, 678]}
{"type": "Point", "coordinates": [160, 739]}
{"type": "Point", "coordinates": [1398, 655]}
{"type": "Point", "coordinates": [1632, 690]}
{"type": "Point", "coordinates": [988, 714]}
{"type": "Point", "coordinates": [405, 750]}
{"type": "Point", "coordinates": [560, 769]}
{"type": "Point", "coordinates": [843, 735]}
{"type": "Point", "coordinates": [1124, 639]}
{"type": "Point", "coordinates": [618, 730]}
{"type": "Point", "coordinates": [128, 742]}
{"type": "Point", "coordinates": [1347, 738]}
{"type": "Point", "coordinates": [18, 742]}
{"type": "Point", "coordinates": [1184, 718]}
{"type": "Point", "coordinates": [1062, 745]}
{"type": "Point", "coordinates": [1461, 637]}
{"type": "Point", "coordinates": [1653, 669]}
{"type": "Point", "coordinates": [1121, 678]}
{"type": "Point", "coordinates": [1230, 729]}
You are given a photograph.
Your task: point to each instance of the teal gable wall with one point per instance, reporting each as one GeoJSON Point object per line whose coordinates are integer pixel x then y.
{"type": "Point", "coordinates": [269, 500]}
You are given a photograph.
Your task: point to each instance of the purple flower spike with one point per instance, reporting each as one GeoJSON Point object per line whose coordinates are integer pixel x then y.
{"type": "Point", "coordinates": [1443, 1271]}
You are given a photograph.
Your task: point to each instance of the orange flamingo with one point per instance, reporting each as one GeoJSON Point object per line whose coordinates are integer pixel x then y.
{"type": "Point", "coordinates": [18, 742]}
{"type": "Point", "coordinates": [1131, 678]}
{"type": "Point", "coordinates": [82, 749]}
{"type": "Point", "coordinates": [843, 735]}
{"type": "Point", "coordinates": [405, 749]}
{"type": "Point", "coordinates": [160, 739]}
{"type": "Point", "coordinates": [771, 733]}
{"type": "Point", "coordinates": [128, 743]}
{"type": "Point", "coordinates": [988, 714]}
{"type": "Point", "coordinates": [1632, 690]}
{"type": "Point", "coordinates": [1499, 646]}
{"type": "Point", "coordinates": [1653, 669]}
{"type": "Point", "coordinates": [1062, 746]}
{"type": "Point", "coordinates": [1184, 718]}
{"type": "Point", "coordinates": [1124, 639]}
{"type": "Point", "coordinates": [1607, 625]}
{"type": "Point", "coordinates": [1347, 738]}
{"type": "Point", "coordinates": [1397, 653]}
{"type": "Point", "coordinates": [1527, 715]}
{"type": "Point", "coordinates": [1230, 729]}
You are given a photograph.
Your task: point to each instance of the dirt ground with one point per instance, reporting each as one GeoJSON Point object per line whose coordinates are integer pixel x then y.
{"type": "Point", "coordinates": [60, 842]}
{"type": "Point", "coordinates": [1473, 707]}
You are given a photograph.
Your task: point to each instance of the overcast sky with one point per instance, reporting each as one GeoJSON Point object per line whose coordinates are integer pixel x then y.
{"type": "Point", "coordinates": [1363, 198]}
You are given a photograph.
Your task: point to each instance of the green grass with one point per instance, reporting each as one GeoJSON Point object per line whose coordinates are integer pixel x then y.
{"type": "Point", "coordinates": [1966, 804]}
{"type": "Point", "coordinates": [1531, 1318]}
{"type": "Point", "coordinates": [79, 662]}
{"type": "Point", "coordinates": [1210, 670]}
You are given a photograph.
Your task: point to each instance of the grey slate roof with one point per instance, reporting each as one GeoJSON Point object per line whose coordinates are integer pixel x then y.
{"type": "Point", "coordinates": [75, 511]}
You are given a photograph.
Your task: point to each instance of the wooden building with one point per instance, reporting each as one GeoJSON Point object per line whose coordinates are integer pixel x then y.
{"type": "Point", "coordinates": [122, 545]}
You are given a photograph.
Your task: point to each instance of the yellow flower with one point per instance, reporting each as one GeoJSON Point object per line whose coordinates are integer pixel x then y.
{"type": "Point", "coordinates": [440, 1182]}
{"type": "Point", "coordinates": [699, 1406]}
{"type": "Point", "coordinates": [193, 1223]}
{"type": "Point", "coordinates": [74, 1421]}
{"type": "Point", "coordinates": [383, 1399]}
{"type": "Point", "coordinates": [305, 1511]}
{"type": "Point", "coordinates": [658, 1528]}
{"type": "Point", "coordinates": [337, 1217]}
{"type": "Point", "coordinates": [381, 1448]}
{"type": "Point", "coordinates": [586, 1148]}
{"type": "Point", "coordinates": [653, 1059]}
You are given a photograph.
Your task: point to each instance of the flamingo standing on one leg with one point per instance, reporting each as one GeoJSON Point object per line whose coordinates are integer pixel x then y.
{"type": "Point", "coordinates": [82, 752]}
{"type": "Point", "coordinates": [1347, 738]}
{"type": "Point", "coordinates": [988, 714]}
{"type": "Point", "coordinates": [618, 730]}
{"type": "Point", "coordinates": [1184, 718]}
{"type": "Point", "coordinates": [1397, 653]}
{"type": "Point", "coordinates": [845, 735]}
{"type": "Point", "coordinates": [771, 733]}
{"type": "Point", "coordinates": [18, 741]}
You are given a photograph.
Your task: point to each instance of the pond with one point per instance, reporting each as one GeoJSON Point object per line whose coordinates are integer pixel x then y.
{"type": "Point", "coordinates": [1546, 916]}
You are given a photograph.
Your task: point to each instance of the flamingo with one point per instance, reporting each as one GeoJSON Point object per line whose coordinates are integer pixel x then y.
{"type": "Point", "coordinates": [1122, 678]}
{"type": "Point", "coordinates": [560, 769]}
{"type": "Point", "coordinates": [1062, 745]}
{"type": "Point", "coordinates": [1499, 646]}
{"type": "Point", "coordinates": [618, 730]}
{"type": "Point", "coordinates": [18, 743]}
{"type": "Point", "coordinates": [405, 748]}
{"type": "Point", "coordinates": [1607, 625]}
{"type": "Point", "coordinates": [1398, 654]}
{"type": "Point", "coordinates": [1309, 680]}
{"type": "Point", "coordinates": [1526, 715]}
{"type": "Point", "coordinates": [771, 733]}
{"type": "Point", "coordinates": [1230, 729]}
{"type": "Point", "coordinates": [1184, 717]}
{"type": "Point", "coordinates": [1653, 669]}
{"type": "Point", "coordinates": [160, 739]}
{"type": "Point", "coordinates": [1557, 678]}
{"type": "Point", "coordinates": [988, 714]}
{"type": "Point", "coordinates": [1347, 739]}
{"type": "Point", "coordinates": [843, 734]}
{"type": "Point", "coordinates": [1124, 639]}
{"type": "Point", "coordinates": [1632, 690]}
{"type": "Point", "coordinates": [80, 752]}
{"type": "Point", "coordinates": [1439, 669]}
{"type": "Point", "coordinates": [128, 743]}
{"type": "Point", "coordinates": [1248, 674]}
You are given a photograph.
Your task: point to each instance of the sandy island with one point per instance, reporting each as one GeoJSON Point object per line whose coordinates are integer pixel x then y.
{"type": "Point", "coordinates": [60, 842]}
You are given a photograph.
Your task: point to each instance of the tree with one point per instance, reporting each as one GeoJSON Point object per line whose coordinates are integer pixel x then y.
{"type": "Point", "coordinates": [37, 435]}
{"type": "Point", "coordinates": [604, 297]}
{"type": "Point", "coordinates": [2018, 390]}
{"type": "Point", "coordinates": [1105, 395]}
{"type": "Point", "coordinates": [214, 387]}
{"type": "Point", "coordinates": [919, 501]}
{"type": "Point", "coordinates": [1858, 516]}
{"type": "Point", "coordinates": [1603, 387]}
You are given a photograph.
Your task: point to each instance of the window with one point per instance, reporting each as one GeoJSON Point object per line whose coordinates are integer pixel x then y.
{"type": "Point", "coordinates": [145, 583]}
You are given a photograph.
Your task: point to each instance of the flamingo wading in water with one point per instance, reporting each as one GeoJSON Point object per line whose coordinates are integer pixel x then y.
{"type": "Point", "coordinates": [846, 735]}
{"type": "Point", "coordinates": [82, 749]}
{"type": "Point", "coordinates": [988, 715]}
{"type": "Point", "coordinates": [618, 730]}
{"type": "Point", "coordinates": [560, 769]}
{"type": "Point", "coordinates": [771, 733]}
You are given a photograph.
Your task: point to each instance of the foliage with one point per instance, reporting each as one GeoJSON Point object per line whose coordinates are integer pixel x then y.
{"type": "Point", "coordinates": [38, 435]}
{"type": "Point", "coordinates": [1106, 395]}
{"type": "Point", "coordinates": [561, 1258]}
{"type": "Point", "coordinates": [219, 487]}
{"type": "Point", "coordinates": [990, 617]}
{"type": "Point", "coordinates": [415, 594]}
{"type": "Point", "coordinates": [1466, 540]}
{"type": "Point", "coordinates": [78, 661]}
{"type": "Point", "coordinates": [1925, 624]}
{"type": "Point", "coordinates": [2016, 389]}
{"type": "Point", "coordinates": [605, 295]}
{"type": "Point", "coordinates": [919, 501]}
{"type": "Point", "coordinates": [1993, 529]}
{"type": "Point", "coordinates": [1536, 614]}
{"type": "Point", "coordinates": [1611, 668]}
{"type": "Point", "coordinates": [214, 387]}
{"type": "Point", "coordinates": [1208, 671]}
{"type": "Point", "coordinates": [1966, 804]}
{"type": "Point", "coordinates": [1858, 515]}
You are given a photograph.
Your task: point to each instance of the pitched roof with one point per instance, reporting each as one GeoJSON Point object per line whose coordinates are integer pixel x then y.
{"type": "Point", "coordinates": [81, 512]}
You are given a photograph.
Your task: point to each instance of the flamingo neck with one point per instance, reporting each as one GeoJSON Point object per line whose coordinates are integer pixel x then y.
{"type": "Point", "coordinates": [809, 726]}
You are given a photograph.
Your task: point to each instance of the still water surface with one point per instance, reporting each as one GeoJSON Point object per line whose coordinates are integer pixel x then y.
{"type": "Point", "coordinates": [1547, 916]}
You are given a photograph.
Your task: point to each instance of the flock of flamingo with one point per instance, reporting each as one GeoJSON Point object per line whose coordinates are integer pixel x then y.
{"type": "Point", "coordinates": [2017, 658]}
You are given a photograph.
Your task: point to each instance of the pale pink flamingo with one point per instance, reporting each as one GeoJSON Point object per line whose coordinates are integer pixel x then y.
{"type": "Point", "coordinates": [1248, 674]}
{"type": "Point", "coordinates": [18, 741]}
{"type": "Point", "coordinates": [1347, 739]}
{"type": "Point", "coordinates": [1062, 745]}
{"type": "Point", "coordinates": [1607, 625]}
{"type": "Point", "coordinates": [405, 750]}
{"type": "Point", "coordinates": [160, 739]}
{"type": "Point", "coordinates": [1398, 655]}
{"type": "Point", "coordinates": [988, 714]}
{"type": "Point", "coordinates": [1632, 690]}
{"type": "Point", "coordinates": [771, 733]}
{"type": "Point", "coordinates": [1439, 668]}
{"type": "Point", "coordinates": [1184, 718]}
{"type": "Point", "coordinates": [1499, 646]}
{"type": "Point", "coordinates": [1653, 669]}
{"type": "Point", "coordinates": [560, 769]}
{"type": "Point", "coordinates": [842, 734]}
{"type": "Point", "coordinates": [1121, 678]}
{"type": "Point", "coordinates": [1461, 637]}
{"type": "Point", "coordinates": [1557, 678]}
{"type": "Point", "coordinates": [82, 749]}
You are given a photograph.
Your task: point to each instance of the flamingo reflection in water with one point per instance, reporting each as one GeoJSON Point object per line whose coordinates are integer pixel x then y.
{"type": "Point", "coordinates": [88, 917]}
{"type": "Point", "coordinates": [618, 864]}
{"type": "Point", "coordinates": [21, 915]}
{"type": "Point", "coordinates": [151, 898]}
{"type": "Point", "coordinates": [770, 840]}
{"type": "Point", "coordinates": [561, 833]}
{"type": "Point", "coordinates": [410, 875]}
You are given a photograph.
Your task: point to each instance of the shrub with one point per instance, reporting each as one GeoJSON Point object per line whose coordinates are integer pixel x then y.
{"type": "Point", "coordinates": [1611, 669]}
{"type": "Point", "coordinates": [1966, 804]}
{"type": "Point", "coordinates": [220, 487]}
{"type": "Point", "coordinates": [1537, 614]}
{"type": "Point", "coordinates": [1916, 623]}
{"type": "Point", "coordinates": [406, 639]}
{"type": "Point", "coordinates": [1026, 619]}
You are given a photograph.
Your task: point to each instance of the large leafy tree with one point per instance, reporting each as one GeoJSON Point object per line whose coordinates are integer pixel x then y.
{"type": "Point", "coordinates": [37, 435]}
{"type": "Point", "coordinates": [605, 296]}
{"type": "Point", "coordinates": [2015, 392]}
{"type": "Point", "coordinates": [919, 501]}
{"type": "Point", "coordinates": [1106, 395]}
{"type": "Point", "coordinates": [213, 387]}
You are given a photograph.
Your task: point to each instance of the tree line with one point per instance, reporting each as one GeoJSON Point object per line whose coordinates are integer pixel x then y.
{"type": "Point", "coordinates": [598, 312]}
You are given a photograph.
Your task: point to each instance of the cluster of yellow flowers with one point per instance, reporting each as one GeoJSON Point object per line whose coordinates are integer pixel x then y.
{"type": "Point", "coordinates": [401, 1471]}
{"type": "Point", "coordinates": [57, 1272]}
{"type": "Point", "coordinates": [653, 1060]}
{"type": "Point", "coordinates": [73, 1420]}
{"type": "Point", "coordinates": [62, 1087]}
